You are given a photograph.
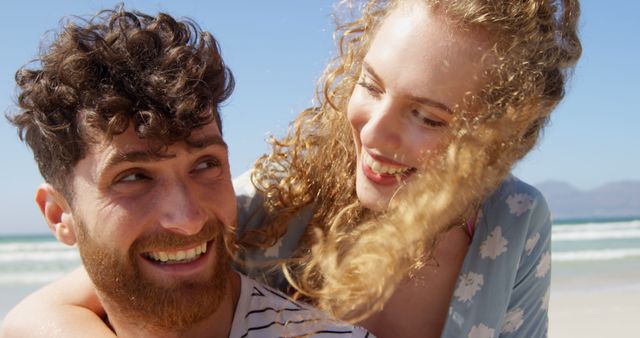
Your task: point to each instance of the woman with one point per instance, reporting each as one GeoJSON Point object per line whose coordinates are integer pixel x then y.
{"type": "Point", "coordinates": [395, 191]}
{"type": "Point", "coordinates": [415, 78]}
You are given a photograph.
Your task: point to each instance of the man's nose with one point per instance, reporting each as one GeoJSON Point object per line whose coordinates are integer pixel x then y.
{"type": "Point", "coordinates": [181, 211]}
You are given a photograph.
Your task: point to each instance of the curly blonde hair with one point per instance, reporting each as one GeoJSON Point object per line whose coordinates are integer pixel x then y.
{"type": "Point", "coordinates": [535, 46]}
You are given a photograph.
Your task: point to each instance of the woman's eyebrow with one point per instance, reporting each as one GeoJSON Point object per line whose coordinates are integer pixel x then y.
{"type": "Point", "coordinates": [432, 103]}
{"type": "Point", "coordinates": [422, 100]}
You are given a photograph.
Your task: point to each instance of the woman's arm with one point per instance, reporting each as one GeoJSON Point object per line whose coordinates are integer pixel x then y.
{"type": "Point", "coordinates": [502, 286]}
{"type": "Point", "coordinates": [68, 307]}
{"type": "Point", "coordinates": [527, 313]}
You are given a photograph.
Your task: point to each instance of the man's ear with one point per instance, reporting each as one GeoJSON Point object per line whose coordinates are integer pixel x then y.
{"type": "Point", "coordinates": [57, 213]}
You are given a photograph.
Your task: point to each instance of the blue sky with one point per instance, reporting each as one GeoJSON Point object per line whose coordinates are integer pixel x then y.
{"type": "Point", "coordinates": [277, 50]}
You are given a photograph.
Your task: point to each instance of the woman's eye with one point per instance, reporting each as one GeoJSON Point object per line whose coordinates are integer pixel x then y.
{"type": "Point", "coordinates": [370, 88]}
{"type": "Point", "coordinates": [427, 121]}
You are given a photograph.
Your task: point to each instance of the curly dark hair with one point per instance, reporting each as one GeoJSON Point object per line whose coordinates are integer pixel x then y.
{"type": "Point", "coordinates": [164, 76]}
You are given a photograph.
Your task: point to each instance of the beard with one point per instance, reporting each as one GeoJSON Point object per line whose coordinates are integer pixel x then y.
{"type": "Point", "coordinates": [177, 305]}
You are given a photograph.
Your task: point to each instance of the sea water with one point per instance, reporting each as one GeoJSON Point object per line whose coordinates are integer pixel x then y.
{"type": "Point", "coordinates": [28, 262]}
{"type": "Point", "coordinates": [598, 255]}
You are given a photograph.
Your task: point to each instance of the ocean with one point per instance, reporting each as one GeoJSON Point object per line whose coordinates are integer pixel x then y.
{"type": "Point", "coordinates": [596, 256]}
{"type": "Point", "coordinates": [591, 255]}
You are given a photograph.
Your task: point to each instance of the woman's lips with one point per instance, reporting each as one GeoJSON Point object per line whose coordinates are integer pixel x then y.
{"type": "Point", "coordinates": [382, 171]}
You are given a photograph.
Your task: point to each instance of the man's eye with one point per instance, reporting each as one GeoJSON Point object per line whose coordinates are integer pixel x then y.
{"type": "Point", "coordinates": [208, 168]}
{"type": "Point", "coordinates": [131, 177]}
{"type": "Point", "coordinates": [207, 164]}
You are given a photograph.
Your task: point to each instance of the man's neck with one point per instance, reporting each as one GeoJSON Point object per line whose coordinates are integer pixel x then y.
{"type": "Point", "coordinates": [218, 324]}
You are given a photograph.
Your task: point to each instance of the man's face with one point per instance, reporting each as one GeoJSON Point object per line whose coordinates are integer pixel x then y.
{"type": "Point", "coordinates": [150, 229]}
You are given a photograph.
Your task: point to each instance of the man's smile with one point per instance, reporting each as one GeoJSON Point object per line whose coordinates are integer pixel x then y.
{"type": "Point", "coordinates": [177, 256]}
{"type": "Point", "coordinates": [163, 265]}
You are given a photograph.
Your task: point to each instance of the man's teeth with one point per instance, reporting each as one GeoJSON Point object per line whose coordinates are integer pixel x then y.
{"type": "Point", "coordinates": [180, 256]}
{"type": "Point", "coordinates": [380, 168]}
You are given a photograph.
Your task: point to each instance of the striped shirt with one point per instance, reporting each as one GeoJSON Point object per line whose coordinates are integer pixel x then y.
{"type": "Point", "coordinates": [265, 312]}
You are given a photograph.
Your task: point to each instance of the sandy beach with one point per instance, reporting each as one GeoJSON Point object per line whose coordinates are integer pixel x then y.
{"type": "Point", "coordinates": [594, 314]}
{"type": "Point", "coordinates": [595, 299]}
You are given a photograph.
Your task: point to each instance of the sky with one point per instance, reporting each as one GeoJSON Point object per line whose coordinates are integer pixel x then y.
{"type": "Point", "coordinates": [277, 50]}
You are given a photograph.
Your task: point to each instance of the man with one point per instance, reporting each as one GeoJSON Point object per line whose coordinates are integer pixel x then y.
{"type": "Point", "coordinates": [122, 117]}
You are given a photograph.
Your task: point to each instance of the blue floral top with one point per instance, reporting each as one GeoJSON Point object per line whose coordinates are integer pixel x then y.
{"type": "Point", "coordinates": [503, 285]}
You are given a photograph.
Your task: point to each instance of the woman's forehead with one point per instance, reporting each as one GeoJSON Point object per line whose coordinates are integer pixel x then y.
{"type": "Point", "coordinates": [417, 53]}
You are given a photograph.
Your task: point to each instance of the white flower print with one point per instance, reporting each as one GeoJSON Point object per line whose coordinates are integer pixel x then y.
{"type": "Point", "coordinates": [481, 331]}
{"type": "Point", "coordinates": [531, 243]}
{"type": "Point", "coordinates": [512, 320]}
{"type": "Point", "coordinates": [273, 251]}
{"type": "Point", "coordinates": [519, 203]}
{"type": "Point", "coordinates": [494, 245]}
{"type": "Point", "coordinates": [456, 316]}
{"type": "Point", "coordinates": [543, 265]}
{"type": "Point", "coordinates": [468, 285]}
{"type": "Point", "coordinates": [545, 300]}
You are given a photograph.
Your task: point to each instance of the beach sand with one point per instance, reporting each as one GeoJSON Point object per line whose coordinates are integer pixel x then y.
{"type": "Point", "coordinates": [594, 314]}
{"type": "Point", "coordinates": [603, 301]}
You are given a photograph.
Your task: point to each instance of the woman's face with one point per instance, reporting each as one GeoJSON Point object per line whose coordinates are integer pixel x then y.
{"type": "Point", "coordinates": [416, 71]}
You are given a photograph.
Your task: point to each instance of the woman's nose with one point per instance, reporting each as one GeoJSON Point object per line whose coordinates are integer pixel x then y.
{"type": "Point", "coordinates": [382, 129]}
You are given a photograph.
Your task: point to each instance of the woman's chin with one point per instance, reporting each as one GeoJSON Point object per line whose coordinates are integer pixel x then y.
{"type": "Point", "coordinates": [372, 197]}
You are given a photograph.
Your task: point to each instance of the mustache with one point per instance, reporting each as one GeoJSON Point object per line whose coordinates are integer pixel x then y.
{"type": "Point", "coordinates": [212, 229]}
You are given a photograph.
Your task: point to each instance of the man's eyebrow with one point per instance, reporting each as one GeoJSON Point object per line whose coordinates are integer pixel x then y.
{"type": "Point", "coordinates": [134, 156]}
{"type": "Point", "coordinates": [150, 156]}
{"type": "Point", "coordinates": [203, 142]}
{"type": "Point", "coordinates": [421, 100]}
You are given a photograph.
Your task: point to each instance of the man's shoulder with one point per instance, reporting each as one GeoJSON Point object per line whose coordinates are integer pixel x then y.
{"type": "Point", "coordinates": [265, 312]}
